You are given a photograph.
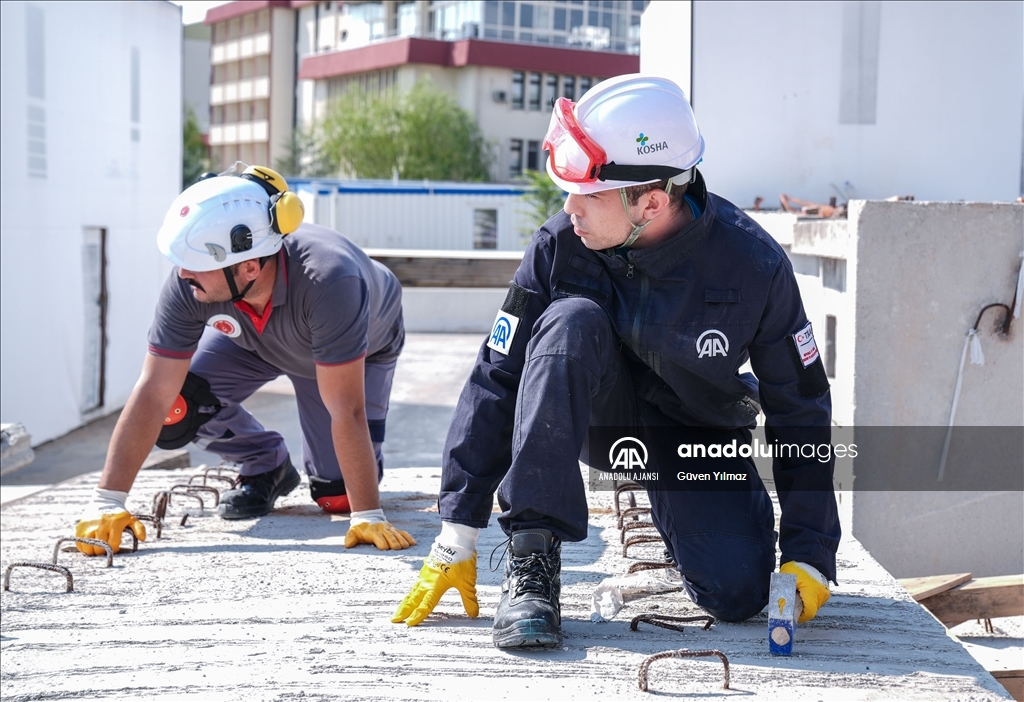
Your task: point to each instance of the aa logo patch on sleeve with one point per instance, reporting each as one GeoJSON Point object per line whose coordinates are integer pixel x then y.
{"type": "Point", "coordinates": [503, 332]}
{"type": "Point", "coordinates": [806, 346]}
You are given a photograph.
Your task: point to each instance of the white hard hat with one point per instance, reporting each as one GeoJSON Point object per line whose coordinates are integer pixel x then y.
{"type": "Point", "coordinates": [227, 219]}
{"type": "Point", "coordinates": [625, 131]}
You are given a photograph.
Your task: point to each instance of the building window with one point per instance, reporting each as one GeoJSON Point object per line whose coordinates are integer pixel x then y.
{"type": "Point", "coordinates": [485, 229]}
{"type": "Point", "coordinates": [533, 156]}
{"type": "Point", "coordinates": [526, 15]}
{"type": "Point", "coordinates": [830, 346]}
{"type": "Point", "coordinates": [508, 14]}
{"type": "Point", "coordinates": [585, 84]}
{"type": "Point", "coordinates": [535, 91]}
{"type": "Point", "coordinates": [551, 91]}
{"type": "Point", "coordinates": [833, 273]}
{"type": "Point", "coordinates": [569, 87]}
{"type": "Point", "coordinates": [517, 90]}
{"type": "Point", "coordinates": [515, 158]}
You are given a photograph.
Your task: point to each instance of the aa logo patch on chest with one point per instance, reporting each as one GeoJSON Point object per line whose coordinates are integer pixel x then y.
{"type": "Point", "coordinates": [806, 346]}
{"type": "Point", "coordinates": [712, 343]}
{"type": "Point", "coordinates": [503, 332]}
{"type": "Point", "coordinates": [225, 324]}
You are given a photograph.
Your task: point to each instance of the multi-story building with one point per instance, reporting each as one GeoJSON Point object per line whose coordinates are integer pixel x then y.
{"type": "Point", "coordinates": [252, 81]}
{"type": "Point", "coordinates": [504, 62]}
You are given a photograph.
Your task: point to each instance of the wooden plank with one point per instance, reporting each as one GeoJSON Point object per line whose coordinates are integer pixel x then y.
{"type": "Point", "coordinates": [1001, 596]}
{"type": "Point", "coordinates": [920, 588]}
{"type": "Point", "coordinates": [448, 272]}
{"type": "Point", "coordinates": [1012, 680]}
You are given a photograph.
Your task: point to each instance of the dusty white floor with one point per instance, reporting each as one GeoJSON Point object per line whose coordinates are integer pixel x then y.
{"type": "Point", "coordinates": [277, 609]}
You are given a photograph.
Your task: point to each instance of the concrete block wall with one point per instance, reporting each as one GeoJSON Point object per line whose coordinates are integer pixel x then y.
{"type": "Point", "coordinates": [919, 273]}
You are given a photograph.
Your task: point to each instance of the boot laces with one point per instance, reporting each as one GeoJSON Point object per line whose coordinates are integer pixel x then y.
{"type": "Point", "coordinates": [530, 574]}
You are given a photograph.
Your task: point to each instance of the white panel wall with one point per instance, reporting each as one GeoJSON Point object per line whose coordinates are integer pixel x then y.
{"type": "Point", "coordinates": [96, 175]}
{"type": "Point", "coordinates": [772, 82]}
{"type": "Point", "coordinates": [397, 220]}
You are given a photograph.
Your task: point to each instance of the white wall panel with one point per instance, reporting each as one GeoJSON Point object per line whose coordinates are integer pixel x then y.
{"type": "Point", "coordinates": [105, 167]}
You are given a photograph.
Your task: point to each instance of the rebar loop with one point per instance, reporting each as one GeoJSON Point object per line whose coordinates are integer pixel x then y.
{"type": "Point", "coordinates": [634, 540]}
{"type": "Point", "coordinates": [626, 487]}
{"type": "Point", "coordinates": [649, 565]}
{"type": "Point", "coordinates": [151, 519]}
{"type": "Point", "coordinates": [682, 653]}
{"type": "Point", "coordinates": [666, 622]}
{"type": "Point", "coordinates": [99, 543]}
{"type": "Point", "coordinates": [631, 526]}
{"type": "Point", "coordinates": [187, 491]}
{"type": "Point", "coordinates": [191, 489]}
{"type": "Point", "coordinates": [42, 566]}
{"type": "Point", "coordinates": [634, 512]}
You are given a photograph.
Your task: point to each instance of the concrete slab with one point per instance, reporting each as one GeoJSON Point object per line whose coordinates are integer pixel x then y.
{"type": "Point", "coordinates": [277, 608]}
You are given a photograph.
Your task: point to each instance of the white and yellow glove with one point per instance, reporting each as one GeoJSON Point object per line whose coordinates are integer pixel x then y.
{"type": "Point", "coordinates": [370, 527]}
{"type": "Point", "coordinates": [451, 563]}
{"type": "Point", "coordinates": [811, 585]}
{"type": "Point", "coordinates": [105, 518]}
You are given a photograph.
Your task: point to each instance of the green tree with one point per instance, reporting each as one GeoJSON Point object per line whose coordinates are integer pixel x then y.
{"type": "Point", "coordinates": [194, 158]}
{"type": "Point", "coordinates": [420, 134]}
{"type": "Point", "coordinates": [304, 157]}
{"type": "Point", "coordinates": [543, 199]}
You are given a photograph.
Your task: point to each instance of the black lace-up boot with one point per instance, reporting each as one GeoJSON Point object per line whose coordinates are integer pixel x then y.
{"type": "Point", "coordinates": [529, 615]}
{"type": "Point", "coordinates": [254, 495]}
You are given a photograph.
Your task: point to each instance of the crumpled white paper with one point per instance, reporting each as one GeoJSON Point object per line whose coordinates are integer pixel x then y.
{"type": "Point", "coordinates": [611, 594]}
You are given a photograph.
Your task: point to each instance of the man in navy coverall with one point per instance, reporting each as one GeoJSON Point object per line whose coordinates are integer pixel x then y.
{"type": "Point", "coordinates": [635, 307]}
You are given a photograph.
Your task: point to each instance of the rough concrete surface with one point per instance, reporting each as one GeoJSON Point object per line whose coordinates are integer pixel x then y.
{"type": "Point", "coordinates": [276, 608]}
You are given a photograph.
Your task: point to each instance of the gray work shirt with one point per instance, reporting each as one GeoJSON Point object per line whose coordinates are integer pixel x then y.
{"type": "Point", "coordinates": [331, 304]}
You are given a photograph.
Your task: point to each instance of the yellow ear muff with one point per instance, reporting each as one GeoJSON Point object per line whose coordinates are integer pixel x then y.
{"type": "Point", "coordinates": [286, 214]}
{"type": "Point", "coordinates": [271, 180]}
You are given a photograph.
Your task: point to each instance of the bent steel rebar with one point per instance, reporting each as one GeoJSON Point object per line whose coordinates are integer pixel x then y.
{"type": "Point", "coordinates": [682, 653]}
{"type": "Point", "coordinates": [187, 491]}
{"type": "Point", "coordinates": [666, 622]}
{"type": "Point", "coordinates": [634, 512]}
{"type": "Point", "coordinates": [192, 489]}
{"type": "Point", "coordinates": [634, 540]}
{"type": "Point", "coordinates": [649, 565]}
{"type": "Point", "coordinates": [42, 566]}
{"type": "Point", "coordinates": [626, 487]}
{"type": "Point", "coordinates": [99, 543]}
{"type": "Point", "coordinates": [151, 519]}
{"type": "Point", "coordinates": [631, 526]}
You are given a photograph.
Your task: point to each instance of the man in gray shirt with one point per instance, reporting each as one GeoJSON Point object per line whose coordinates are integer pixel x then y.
{"type": "Point", "coordinates": [257, 294]}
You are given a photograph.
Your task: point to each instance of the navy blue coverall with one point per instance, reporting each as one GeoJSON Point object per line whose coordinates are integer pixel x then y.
{"type": "Point", "coordinates": [610, 340]}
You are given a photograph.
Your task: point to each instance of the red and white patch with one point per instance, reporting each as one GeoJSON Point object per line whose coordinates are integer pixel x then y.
{"type": "Point", "coordinates": [225, 324]}
{"type": "Point", "coordinates": [184, 211]}
{"type": "Point", "coordinates": [806, 345]}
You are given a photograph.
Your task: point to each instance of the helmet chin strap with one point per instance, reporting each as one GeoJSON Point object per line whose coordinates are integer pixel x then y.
{"type": "Point", "coordinates": [637, 228]}
{"type": "Point", "coordinates": [236, 295]}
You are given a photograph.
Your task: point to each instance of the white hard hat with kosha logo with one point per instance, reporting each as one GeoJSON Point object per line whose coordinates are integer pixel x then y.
{"type": "Point", "coordinates": [625, 131]}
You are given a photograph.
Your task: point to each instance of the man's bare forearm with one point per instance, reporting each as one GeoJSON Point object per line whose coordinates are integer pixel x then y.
{"type": "Point", "coordinates": [139, 425]}
{"type": "Point", "coordinates": [357, 460]}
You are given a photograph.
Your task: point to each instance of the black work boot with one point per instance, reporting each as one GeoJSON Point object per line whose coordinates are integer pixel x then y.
{"type": "Point", "coordinates": [254, 495]}
{"type": "Point", "coordinates": [529, 615]}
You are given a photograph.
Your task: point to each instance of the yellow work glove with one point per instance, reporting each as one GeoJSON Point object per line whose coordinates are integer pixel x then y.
{"type": "Point", "coordinates": [811, 585]}
{"type": "Point", "coordinates": [451, 563]}
{"type": "Point", "coordinates": [105, 518]}
{"type": "Point", "coordinates": [370, 527]}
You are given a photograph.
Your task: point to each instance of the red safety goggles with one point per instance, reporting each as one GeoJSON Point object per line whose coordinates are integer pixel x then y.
{"type": "Point", "coordinates": [575, 157]}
